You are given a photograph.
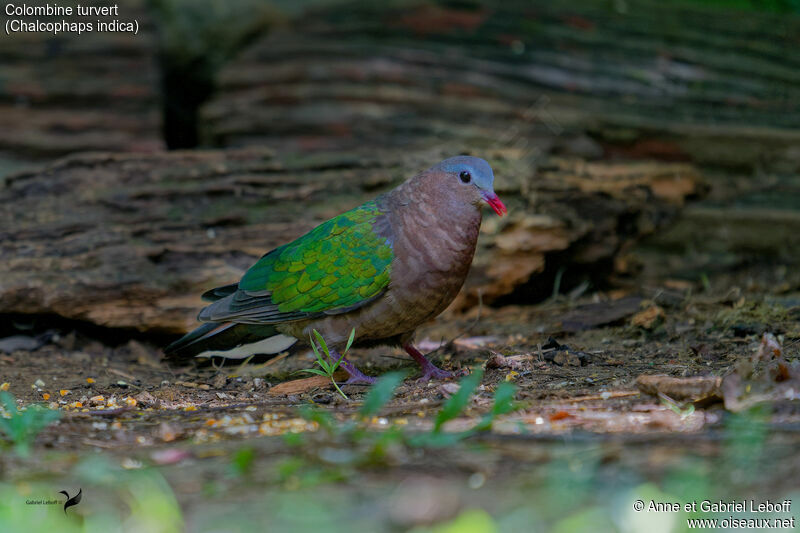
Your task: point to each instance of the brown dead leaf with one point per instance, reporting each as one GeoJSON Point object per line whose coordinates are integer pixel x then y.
{"type": "Point", "coordinates": [192, 385]}
{"type": "Point", "coordinates": [695, 389]}
{"type": "Point", "coordinates": [513, 362]}
{"type": "Point", "coordinates": [769, 348]}
{"type": "Point", "coordinates": [299, 386]}
{"type": "Point", "coordinates": [648, 318]}
{"type": "Point", "coordinates": [145, 399]}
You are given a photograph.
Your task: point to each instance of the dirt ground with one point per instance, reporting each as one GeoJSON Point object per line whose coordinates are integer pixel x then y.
{"type": "Point", "coordinates": [583, 434]}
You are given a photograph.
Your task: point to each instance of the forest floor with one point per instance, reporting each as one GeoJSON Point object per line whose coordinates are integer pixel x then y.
{"type": "Point", "coordinates": [234, 448]}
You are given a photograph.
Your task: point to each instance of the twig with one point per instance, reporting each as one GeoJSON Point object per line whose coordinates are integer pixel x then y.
{"type": "Point", "coordinates": [121, 373]}
{"type": "Point", "coordinates": [606, 396]}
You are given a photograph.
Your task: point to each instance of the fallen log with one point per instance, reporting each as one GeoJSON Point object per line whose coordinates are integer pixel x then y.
{"type": "Point", "coordinates": [649, 79]}
{"type": "Point", "coordinates": [131, 240]}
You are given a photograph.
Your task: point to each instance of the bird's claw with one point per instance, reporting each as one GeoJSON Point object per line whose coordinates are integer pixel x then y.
{"type": "Point", "coordinates": [434, 372]}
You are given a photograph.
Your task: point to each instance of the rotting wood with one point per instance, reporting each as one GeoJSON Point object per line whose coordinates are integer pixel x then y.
{"type": "Point", "coordinates": [131, 241]}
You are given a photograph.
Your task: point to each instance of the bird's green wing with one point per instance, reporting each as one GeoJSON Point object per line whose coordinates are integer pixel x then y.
{"type": "Point", "coordinates": [338, 266]}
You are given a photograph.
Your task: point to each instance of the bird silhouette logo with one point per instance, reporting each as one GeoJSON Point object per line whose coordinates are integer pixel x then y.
{"type": "Point", "coordinates": [75, 500]}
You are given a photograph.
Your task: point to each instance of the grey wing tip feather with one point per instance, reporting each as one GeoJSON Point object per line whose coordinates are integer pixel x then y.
{"type": "Point", "coordinates": [218, 293]}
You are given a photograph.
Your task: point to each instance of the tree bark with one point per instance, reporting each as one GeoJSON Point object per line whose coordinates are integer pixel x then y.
{"type": "Point", "coordinates": [131, 241]}
{"type": "Point", "coordinates": [642, 79]}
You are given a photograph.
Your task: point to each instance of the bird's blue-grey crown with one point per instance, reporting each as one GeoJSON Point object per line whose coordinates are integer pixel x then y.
{"type": "Point", "coordinates": [480, 171]}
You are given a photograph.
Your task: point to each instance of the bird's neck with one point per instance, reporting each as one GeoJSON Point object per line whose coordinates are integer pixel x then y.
{"type": "Point", "coordinates": [415, 200]}
{"type": "Point", "coordinates": [434, 224]}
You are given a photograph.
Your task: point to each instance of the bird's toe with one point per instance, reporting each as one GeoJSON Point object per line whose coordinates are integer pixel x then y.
{"type": "Point", "coordinates": [434, 372]}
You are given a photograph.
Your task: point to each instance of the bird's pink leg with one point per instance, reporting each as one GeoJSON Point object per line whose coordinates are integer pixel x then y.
{"type": "Point", "coordinates": [356, 375]}
{"type": "Point", "coordinates": [429, 370]}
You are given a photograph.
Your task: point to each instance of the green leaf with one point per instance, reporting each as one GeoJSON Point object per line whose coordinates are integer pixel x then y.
{"type": "Point", "coordinates": [23, 426]}
{"type": "Point", "coordinates": [325, 420]}
{"type": "Point", "coordinates": [503, 404]}
{"type": "Point", "coordinates": [350, 340]}
{"type": "Point", "coordinates": [314, 347]}
{"type": "Point", "coordinates": [472, 521]}
{"type": "Point", "coordinates": [380, 393]}
{"type": "Point", "coordinates": [9, 404]}
{"type": "Point", "coordinates": [437, 439]}
{"type": "Point", "coordinates": [316, 371]}
{"type": "Point", "coordinates": [322, 343]}
{"type": "Point", "coordinates": [504, 399]}
{"type": "Point", "coordinates": [242, 461]}
{"type": "Point", "coordinates": [458, 401]}
{"type": "Point", "coordinates": [325, 366]}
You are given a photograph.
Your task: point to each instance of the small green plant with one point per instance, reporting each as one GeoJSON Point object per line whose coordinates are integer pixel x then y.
{"type": "Point", "coordinates": [456, 404]}
{"type": "Point", "coordinates": [328, 367]}
{"type": "Point", "coordinates": [242, 461]}
{"type": "Point", "coordinates": [21, 426]}
{"type": "Point", "coordinates": [381, 393]}
{"type": "Point", "coordinates": [356, 431]}
{"type": "Point", "coordinates": [503, 404]}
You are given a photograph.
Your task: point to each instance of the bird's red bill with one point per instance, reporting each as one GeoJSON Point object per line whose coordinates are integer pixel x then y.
{"type": "Point", "coordinates": [495, 203]}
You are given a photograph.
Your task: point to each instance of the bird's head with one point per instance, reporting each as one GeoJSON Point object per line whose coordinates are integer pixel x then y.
{"type": "Point", "coordinates": [470, 179]}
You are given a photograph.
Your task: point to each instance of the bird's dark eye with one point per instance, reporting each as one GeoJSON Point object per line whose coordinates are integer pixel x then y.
{"type": "Point", "coordinates": [465, 176]}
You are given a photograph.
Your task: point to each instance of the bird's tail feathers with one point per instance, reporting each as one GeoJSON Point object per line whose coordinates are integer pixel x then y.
{"type": "Point", "coordinates": [230, 340]}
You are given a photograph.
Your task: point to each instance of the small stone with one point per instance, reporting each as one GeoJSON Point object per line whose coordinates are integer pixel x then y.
{"type": "Point", "coordinates": [448, 389]}
{"type": "Point", "coordinates": [220, 380]}
{"type": "Point", "coordinates": [131, 464]}
{"type": "Point", "coordinates": [476, 480]}
{"type": "Point", "coordinates": [146, 399]}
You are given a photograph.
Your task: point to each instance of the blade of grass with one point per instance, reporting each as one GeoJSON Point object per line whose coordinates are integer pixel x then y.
{"type": "Point", "coordinates": [350, 340]}
{"type": "Point", "coordinates": [458, 401]}
{"type": "Point", "coordinates": [380, 393]}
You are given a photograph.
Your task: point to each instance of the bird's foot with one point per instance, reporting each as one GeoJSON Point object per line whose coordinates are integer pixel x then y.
{"type": "Point", "coordinates": [356, 375]}
{"type": "Point", "coordinates": [434, 372]}
{"type": "Point", "coordinates": [429, 370]}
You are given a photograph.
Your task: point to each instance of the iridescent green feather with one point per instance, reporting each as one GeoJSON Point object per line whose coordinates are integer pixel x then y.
{"type": "Point", "coordinates": [338, 264]}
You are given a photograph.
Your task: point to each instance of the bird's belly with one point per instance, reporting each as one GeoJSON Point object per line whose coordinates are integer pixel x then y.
{"type": "Point", "coordinates": [395, 313]}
